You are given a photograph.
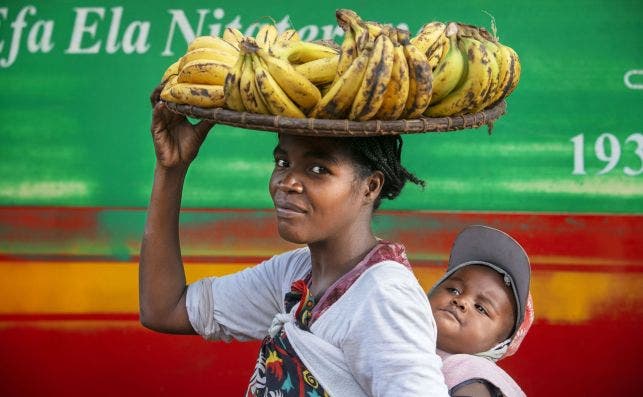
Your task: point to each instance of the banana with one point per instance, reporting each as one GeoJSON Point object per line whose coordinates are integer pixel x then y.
{"type": "Point", "coordinates": [232, 86]}
{"type": "Point", "coordinates": [429, 34]}
{"type": "Point", "coordinates": [370, 95]}
{"type": "Point", "coordinates": [202, 95]}
{"type": "Point", "coordinates": [420, 78]}
{"type": "Point", "coordinates": [436, 53]}
{"type": "Point", "coordinates": [298, 88]}
{"type": "Point", "coordinates": [287, 36]}
{"type": "Point", "coordinates": [348, 52]}
{"type": "Point", "coordinates": [338, 100]}
{"type": "Point", "coordinates": [320, 71]}
{"type": "Point", "coordinates": [172, 70]}
{"type": "Point", "coordinates": [252, 101]}
{"type": "Point", "coordinates": [517, 70]}
{"type": "Point", "coordinates": [473, 84]}
{"type": "Point", "coordinates": [233, 36]}
{"type": "Point", "coordinates": [448, 73]}
{"type": "Point", "coordinates": [213, 54]}
{"type": "Point", "coordinates": [212, 42]}
{"type": "Point", "coordinates": [267, 35]}
{"type": "Point", "coordinates": [204, 72]}
{"type": "Point", "coordinates": [298, 52]}
{"type": "Point", "coordinates": [166, 95]}
{"type": "Point", "coordinates": [398, 87]}
{"type": "Point", "coordinates": [275, 98]}
{"type": "Point", "coordinates": [493, 52]}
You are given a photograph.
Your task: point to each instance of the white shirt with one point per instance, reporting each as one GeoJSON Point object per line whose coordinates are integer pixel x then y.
{"type": "Point", "coordinates": [382, 325]}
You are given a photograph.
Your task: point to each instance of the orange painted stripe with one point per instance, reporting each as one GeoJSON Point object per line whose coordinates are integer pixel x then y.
{"type": "Point", "coordinates": [80, 293]}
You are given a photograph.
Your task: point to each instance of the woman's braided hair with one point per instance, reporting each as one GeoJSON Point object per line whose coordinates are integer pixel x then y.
{"type": "Point", "coordinates": [382, 153]}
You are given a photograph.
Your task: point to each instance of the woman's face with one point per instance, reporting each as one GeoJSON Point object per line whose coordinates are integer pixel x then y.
{"type": "Point", "coordinates": [473, 309]}
{"type": "Point", "coordinates": [316, 191]}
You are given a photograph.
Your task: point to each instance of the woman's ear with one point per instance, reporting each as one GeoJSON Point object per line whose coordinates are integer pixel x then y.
{"type": "Point", "coordinates": [374, 184]}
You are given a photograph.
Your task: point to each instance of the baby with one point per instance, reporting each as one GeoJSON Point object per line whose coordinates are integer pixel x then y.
{"type": "Point", "coordinates": [483, 309]}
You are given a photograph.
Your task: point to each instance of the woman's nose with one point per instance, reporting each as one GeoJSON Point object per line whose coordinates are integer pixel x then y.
{"type": "Point", "coordinates": [289, 183]}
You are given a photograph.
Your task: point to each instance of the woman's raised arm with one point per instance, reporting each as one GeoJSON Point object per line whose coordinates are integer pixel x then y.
{"type": "Point", "coordinates": [162, 284]}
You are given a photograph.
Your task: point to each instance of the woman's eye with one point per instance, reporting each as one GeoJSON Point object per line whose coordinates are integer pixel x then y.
{"type": "Point", "coordinates": [281, 163]}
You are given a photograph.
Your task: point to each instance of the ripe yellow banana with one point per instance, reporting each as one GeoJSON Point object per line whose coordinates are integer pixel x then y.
{"type": "Point", "coordinates": [212, 42]}
{"type": "Point", "coordinates": [420, 78]}
{"type": "Point", "coordinates": [298, 52]}
{"type": "Point", "coordinates": [213, 54]}
{"type": "Point", "coordinates": [275, 98]}
{"type": "Point", "coordinates": [267, 35]}
{"type": "Point", "coordinates": [320, 71]}
{"type": "Point", "coordinates": [204, 72]}
{"type": "Point", "coordinates": [398, 87]}
{"type": "Point", "coordinates": [233, 36]}
{"type": "Point", "coordinates": [517, 70]}
{"type": "Point", "coordinates": [252, 101]}
{"type": "Point", "coordinates": [348, 51]}
{"type": "Point", "coordinates": [473, 84]}
{"type": "Point", "coordinates": [172, 70]}
{"type": "Point", "coordinates": [287, 36]}
{"type": "Point", "coordinates": [232, 86]}
{"type": "Point", "coordinates": [493, 52]}
{"type": "Point", "coordinates": [202, 95]}
{"type": "Point", "coordinates": [336, 103]}
{"type": "Point", "coordinates": [370, 95]}
{"type": "Point", "coordinates": [506, 71]}
{"type": "Point", "coordinates": [428, 36]}
{"type": "Point", "coordinates": [448, 73]}
{"type": "Point", "coordinates": [298, 88]}
{"type": "Point", "coordinates": [166, 95]}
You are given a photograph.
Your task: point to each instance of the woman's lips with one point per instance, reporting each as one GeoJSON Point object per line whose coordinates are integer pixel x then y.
{"type": "Point", "coordinates": [285, 209]}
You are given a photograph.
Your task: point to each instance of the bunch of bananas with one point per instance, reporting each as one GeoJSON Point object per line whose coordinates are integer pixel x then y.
{"type": "Point", "coordinates": [379, 72]}
{"type": "Point", "coordinates": [472, 70]}
{"type": "Point", "coordinates": [257, 74]}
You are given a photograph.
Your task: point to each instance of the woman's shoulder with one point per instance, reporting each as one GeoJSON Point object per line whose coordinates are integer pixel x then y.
{"type": "Point", "coordinates": [290, 265]}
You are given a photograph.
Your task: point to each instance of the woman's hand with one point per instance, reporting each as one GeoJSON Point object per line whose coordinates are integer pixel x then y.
{"type": "Point", "coordinates": [176, 140]}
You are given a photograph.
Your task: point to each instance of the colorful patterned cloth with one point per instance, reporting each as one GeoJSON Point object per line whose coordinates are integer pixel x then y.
{"type": "Point", "coordinates": [279, 372]}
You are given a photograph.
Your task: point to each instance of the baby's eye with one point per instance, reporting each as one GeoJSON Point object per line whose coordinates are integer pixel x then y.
{"type": "Point", "coordinates": [481, 309]}
{"type": "Point", "coordinates": [453, 291]}
{"type": "Point", "coordinates": [318, 169]}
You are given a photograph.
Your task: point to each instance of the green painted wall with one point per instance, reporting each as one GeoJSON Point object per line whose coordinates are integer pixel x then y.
{"type": "Point", "coordinates": [74, 127]}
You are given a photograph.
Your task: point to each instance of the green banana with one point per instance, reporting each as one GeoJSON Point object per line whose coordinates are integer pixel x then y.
{"type": "Point", "coordinates": [473, 85]}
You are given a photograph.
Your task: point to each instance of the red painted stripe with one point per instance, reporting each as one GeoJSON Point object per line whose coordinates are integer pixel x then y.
{"type": "Point", "coordinates": [69, 317]}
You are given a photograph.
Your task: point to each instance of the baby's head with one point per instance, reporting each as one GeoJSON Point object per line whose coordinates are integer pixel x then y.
{"type": "Point", "coordinates": [482, 304]}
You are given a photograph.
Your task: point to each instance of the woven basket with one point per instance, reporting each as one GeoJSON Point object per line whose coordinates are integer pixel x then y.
{"type": "Point", "coordinates": [341, 128]}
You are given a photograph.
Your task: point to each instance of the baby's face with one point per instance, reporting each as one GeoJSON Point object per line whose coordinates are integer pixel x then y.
{"type": "Point", "coordinates": [473, 309]}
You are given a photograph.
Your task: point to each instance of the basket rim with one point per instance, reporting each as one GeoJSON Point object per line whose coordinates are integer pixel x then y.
{"type": "Point", "coordinates": [342, 128]}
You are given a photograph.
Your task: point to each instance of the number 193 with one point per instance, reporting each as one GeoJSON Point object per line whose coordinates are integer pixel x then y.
{"type": "Point", "coordinates": [607, 149]}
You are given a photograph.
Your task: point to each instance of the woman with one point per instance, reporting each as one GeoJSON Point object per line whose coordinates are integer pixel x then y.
{"type": "Point", "coordinates": [345, 302]}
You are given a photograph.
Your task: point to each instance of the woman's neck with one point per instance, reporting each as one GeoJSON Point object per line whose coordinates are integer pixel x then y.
{"type": "Point", "coordinates": [333, 258]}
